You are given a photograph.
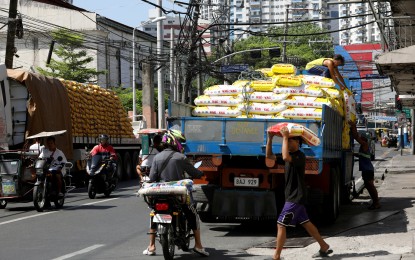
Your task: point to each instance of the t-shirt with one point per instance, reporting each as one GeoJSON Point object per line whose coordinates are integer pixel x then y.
{"type": "Point", "coordinates": [55, 164]}
{"type": "Point", "coordinates": [147, 159]}
{"type": "Point", "coordinates": [318, 62]}
{"type": "Point", "coordinates": [295, 188]}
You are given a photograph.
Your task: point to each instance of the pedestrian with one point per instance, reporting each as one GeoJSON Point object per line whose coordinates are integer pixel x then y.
{"type": "Point", "coordinates": [328, 67]}
{"type": "Point", "coordinates": [366, 166]}
{"type": "Point", "coordinates": [294, 211]}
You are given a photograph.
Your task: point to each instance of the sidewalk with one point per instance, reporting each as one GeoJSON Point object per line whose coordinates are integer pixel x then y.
{"type": "Point", "coordinates": [391, 234]}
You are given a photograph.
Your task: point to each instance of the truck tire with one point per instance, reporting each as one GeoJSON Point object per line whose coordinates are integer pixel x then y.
{"type": "Point", "coordinates": [120, 167]}
{"type": "Point", "coordinates": [332, 202]}
{"type": "Point", "coordinates": [203, 197]}
{"type": "Point", "coordinates": [128, 166]}
{"type": "Point", "coordinates": [3, 204]}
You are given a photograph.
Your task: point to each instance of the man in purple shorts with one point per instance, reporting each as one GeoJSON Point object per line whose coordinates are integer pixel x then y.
{"type": "Point", "coordinates": [294, 211]}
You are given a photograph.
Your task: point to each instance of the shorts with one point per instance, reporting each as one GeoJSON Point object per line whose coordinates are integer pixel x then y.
{"type": "Point", "coordinates": [293, 214]}
{"type": "Point", "coordinates": [368, 175]}
{"type": "Point", "coordinates": [144, 169]}
{"type": "Point", "coordinates": [320, 71]}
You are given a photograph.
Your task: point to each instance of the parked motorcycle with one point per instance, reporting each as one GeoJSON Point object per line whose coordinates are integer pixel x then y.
{"type": "Point", "coordinates": [46, 189]}
{"type": "Point", "coordinates": [172, 227]}
{"type": "Point", "coordinates": [102, 176]}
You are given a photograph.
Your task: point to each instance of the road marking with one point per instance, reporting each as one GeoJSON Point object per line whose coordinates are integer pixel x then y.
{"type": "Point", "coordinates": [51, 212]}
{"type": "Point", "coordinates": [23, 218]}
{"type": "Point", "coordinates": [96, 202]}
{"type": "Point", "coordinates": [80, 252]}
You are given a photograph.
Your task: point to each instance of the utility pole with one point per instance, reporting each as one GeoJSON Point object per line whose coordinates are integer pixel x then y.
{"type": "Point", "coordinates": [11, 32]}
{"type": "Point", "coordinates": [160, 71]}
{"type": "Point", "coordinates": [148, 95]}
{"type": "Point", "coordinates": [172, 69]}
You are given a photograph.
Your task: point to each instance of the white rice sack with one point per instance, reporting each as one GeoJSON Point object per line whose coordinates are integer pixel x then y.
{"type": "Point", "coordinates": [224, 90]}
{"type": "Point", "coordinates": [303, 90]}
{"type": "Point", "coordinates": [265, 108]}
{"type": "Point", "coordinates": [318, 80]}
{"type": "Point", "coordinates": [216, 111]}
{"type": "Point", "coordinates": [304, 101]}
{"type": "Point", "coordinates": [302, 113]}
{"type": "Point", "coordinates": [205, 100]}
{"type": "Point", "coordinates": [264, 97]}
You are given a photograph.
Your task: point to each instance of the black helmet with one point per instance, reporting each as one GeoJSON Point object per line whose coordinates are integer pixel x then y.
{"type": "Point", "coordinates": [103, 137]}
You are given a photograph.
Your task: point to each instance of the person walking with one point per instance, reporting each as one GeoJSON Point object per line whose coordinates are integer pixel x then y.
{"type": "Point", "coordinates": [366, 166]}
{"type": "Point", "coordinates": [328, 67]}
{"type": "Point", "coordinates": [294, 211]}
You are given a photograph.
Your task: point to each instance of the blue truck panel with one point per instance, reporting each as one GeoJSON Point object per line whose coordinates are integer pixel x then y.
{"type": "Point", "coordinates": [247, 137]}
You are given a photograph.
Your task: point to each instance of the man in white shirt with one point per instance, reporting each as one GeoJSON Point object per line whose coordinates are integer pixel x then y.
{"type": "Point", "coordinates": [145, 161]}
{"type": "Point", "coordinates": [57, 161]}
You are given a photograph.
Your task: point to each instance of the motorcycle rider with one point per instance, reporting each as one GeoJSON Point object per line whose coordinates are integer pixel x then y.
{"type": "Point", "coordinates": [145, 161]}
{"type": "Point", "coordinates": [52, 155]}
{"type": "Point", "coordinates": [173, 170]}
{"type": "Point", "coordinates": [105, 150]}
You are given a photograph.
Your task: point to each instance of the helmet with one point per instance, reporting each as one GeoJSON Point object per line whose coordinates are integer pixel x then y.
{"type": "Point", "coordinates": [174, 138]}
{"type": "Point", "coordinates": [103, 137]}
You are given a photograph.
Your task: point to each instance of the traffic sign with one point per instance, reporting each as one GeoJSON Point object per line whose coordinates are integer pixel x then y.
{"type": "Point", "coordinates": [234, 68]}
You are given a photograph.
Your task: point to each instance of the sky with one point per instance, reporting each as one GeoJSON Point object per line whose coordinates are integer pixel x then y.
{"type": "Point", "coordinates": [128, 12]}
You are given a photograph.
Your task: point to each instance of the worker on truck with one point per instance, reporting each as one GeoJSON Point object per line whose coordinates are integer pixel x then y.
{"type": "Point", "coordinates": [327, 67]}
{"type": "Point", "coordinates": [294, 211]}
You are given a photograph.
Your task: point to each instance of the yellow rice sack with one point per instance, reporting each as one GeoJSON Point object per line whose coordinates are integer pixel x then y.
{"type": "Point", "coordinates": [242, 83]}
{"type": "Point", "coordinates": [223, 90]}
{"type": "Point", "coordinates": [264, 108]}
{"type": "Point", "coordinates": [282, 68]}
{"type": "Point", "coordinates": [266, 71]}
{"type": "Point", "coordinates": [205, 100]}
{"type": "Point", "coordinates": [288, 81]}
{"type": "Point", "coordinates": [318, 80]}
{"type": "Point", "coordinates": [264, 97]}
{"type": "Point", "coordinates": [349, 105]}
{"type": "Point", "coordinates": [302, 113]}
{"type": "Point", "coordinates": [263, 85]}
{"type": "Point", "coordinates": [268, 116]}
{"type": "Point", "coordinates": [216, 111]}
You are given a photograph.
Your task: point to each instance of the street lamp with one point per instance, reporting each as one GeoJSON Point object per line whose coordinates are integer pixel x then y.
{"type": "Point", "coordinates": [134, 82]}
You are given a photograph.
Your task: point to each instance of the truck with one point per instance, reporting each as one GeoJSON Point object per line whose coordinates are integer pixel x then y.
{"type": "Point", "coordinates": [32, 103]}
{"type": "Point", "coordinates": [240, 184]}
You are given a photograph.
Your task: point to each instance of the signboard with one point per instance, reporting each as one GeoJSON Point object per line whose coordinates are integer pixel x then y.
{"type": "Point", "coordinates": [234, 68]}
{"type": "Point", "coordinates": [406, 111]}
{"type": "Point", "coordinates": [401, 119]}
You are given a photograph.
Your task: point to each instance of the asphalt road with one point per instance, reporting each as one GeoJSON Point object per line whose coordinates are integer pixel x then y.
{"type": "Point", "coordinates": [115, 228]}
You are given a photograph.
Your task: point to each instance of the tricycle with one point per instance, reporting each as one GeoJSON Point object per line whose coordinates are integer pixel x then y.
{"type": "Point", "coordinates": [19, 178]}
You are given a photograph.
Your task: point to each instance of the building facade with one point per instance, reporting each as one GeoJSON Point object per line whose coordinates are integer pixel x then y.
{"type": "Point", "coordinates": [107, 41]}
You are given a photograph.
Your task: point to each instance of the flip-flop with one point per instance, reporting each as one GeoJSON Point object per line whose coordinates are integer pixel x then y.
{"type": "Point", "coordinates": [148, 252]}
{"type": "Point", "coordinates": [200, 251]}
{"type": "Point", "coordinates": [322, 253]}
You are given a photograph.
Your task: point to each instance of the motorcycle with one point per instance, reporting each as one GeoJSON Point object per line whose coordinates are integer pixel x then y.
{"type": "Point", "coordinates": [102, 176]}
{"type": "Point", "coordinates": [45, 189]}
{"type": "Point", "coordinates": [168, 215]}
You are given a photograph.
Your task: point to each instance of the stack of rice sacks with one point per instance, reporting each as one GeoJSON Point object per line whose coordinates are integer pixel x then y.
{"type": "Point", "coordinates": [281, 94]}
{"type": "Point", "coordinates": [95, 111]}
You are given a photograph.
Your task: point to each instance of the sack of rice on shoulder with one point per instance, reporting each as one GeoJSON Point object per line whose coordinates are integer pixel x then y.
{"type": "Point", "coordinates": [296, 130]}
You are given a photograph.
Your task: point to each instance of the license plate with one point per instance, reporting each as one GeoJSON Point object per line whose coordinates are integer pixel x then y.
{"type": "Point", "coordinates": [8, 188]}
{"type": "Point", "coordinates": [162, 218]}
{"type": "Point", "coordinates": [246, 182]}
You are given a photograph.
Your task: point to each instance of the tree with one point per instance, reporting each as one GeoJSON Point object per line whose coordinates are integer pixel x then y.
{"type": "Point", "coordinates": [72, 59]}
{"type": "Point", "coordinates": [298, 45]}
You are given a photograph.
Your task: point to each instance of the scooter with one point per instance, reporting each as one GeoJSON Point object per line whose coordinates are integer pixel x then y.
{"type": "Point", "coordinates": [45, 189]}
{"type": "Point", "coordinates": [102, 176]}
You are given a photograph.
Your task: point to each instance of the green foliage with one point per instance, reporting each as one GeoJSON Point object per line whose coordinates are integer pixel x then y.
{"type": "Point", "coordinates": [297, 46]}
{"type": "Point", "coordinates": [72, 59]}
{"type": "Point", "coordinates": [210, 81]}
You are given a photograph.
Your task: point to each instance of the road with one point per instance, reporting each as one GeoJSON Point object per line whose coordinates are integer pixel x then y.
{"type": "Point", "coordinates": [116, 228]}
